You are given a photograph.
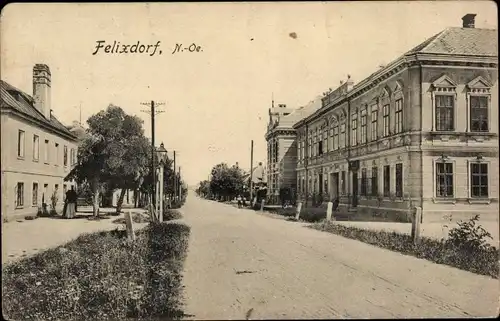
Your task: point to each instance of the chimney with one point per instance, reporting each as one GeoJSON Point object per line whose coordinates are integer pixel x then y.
{"type": "Point", "coordinates": [41, 89]}
{"type": "Point", "coordinates": [468, 21]}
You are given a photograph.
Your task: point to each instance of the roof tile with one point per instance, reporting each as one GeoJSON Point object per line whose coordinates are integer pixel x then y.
{"type": "Point", "coordinates": [24, 104]}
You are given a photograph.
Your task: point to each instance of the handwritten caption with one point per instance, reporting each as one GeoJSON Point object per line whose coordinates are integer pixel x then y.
{"type": "Point", "coordinates": [116, 47]}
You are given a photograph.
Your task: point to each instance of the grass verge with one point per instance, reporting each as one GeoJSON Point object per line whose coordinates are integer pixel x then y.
{"type": "Point", "coordinates": [101, 276]}
{"type": "Point", "coordinates": [479, 261]}
{"type": "Point", "coordinates": [310, 215]}
{"type": "Point", "coordinates": [136, 218]}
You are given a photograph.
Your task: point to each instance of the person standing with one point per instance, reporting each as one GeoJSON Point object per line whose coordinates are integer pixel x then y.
{"type": "Point", "coordinates": [70, 206]}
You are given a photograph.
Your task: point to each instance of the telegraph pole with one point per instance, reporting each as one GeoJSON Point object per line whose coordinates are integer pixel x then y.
{"type": "Point", "coordinates": [251, 172]}
{"type": "Point", "coordinates": [180, 184]}
{"type": "Point", "coordinates": [175, 181]}
{"type": "Point", "coordinates": [153, 113]}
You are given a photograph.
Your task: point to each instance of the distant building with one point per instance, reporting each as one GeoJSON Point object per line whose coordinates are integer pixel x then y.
{"type": "Point", "coordinates": [282, 146]}
{"type": "Point", "coordinates": [420, 131]}
{"type": "Point", "coordinates": [37, 150]}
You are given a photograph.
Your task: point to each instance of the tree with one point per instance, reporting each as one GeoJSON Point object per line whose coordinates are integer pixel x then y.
{"type": "Point", "coordinates": [226, 181]}
{"type": "Point", "coordinates": [113, 152]}
{"type": "Point", "coordinates": [132, 167]}
{"type": "Point", "coordinates": [203, 189]}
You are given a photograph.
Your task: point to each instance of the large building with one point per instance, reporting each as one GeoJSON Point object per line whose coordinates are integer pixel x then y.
{"type": "Point", "coordinates": [37, 150]}
{"type": "Point", "coordinates": [282, 147]}
{"type": "Point", "coordinates": [420, 131]}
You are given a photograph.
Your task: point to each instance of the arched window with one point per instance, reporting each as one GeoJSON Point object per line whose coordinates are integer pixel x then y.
{"type": "Point", "coordinates": [398, 108]}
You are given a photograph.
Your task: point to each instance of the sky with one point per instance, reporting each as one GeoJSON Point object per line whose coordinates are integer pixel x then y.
{"type": "Point", "coordinates": [216, 100]}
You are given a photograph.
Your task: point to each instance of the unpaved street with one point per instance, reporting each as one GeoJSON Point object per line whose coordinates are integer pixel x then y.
{"type": "Point", "coordinates": [242, 264]}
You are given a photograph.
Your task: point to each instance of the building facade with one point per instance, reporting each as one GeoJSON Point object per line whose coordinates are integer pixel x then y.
{"type": "Point", "coordinates": [37, 150]}
{"type": "Point", "coordinates": [282, 147]}
{"type": "Point", "coordinates": [421, 131]}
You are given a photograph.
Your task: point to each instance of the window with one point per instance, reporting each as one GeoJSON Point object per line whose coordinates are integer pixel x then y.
{"type": "Point", "coordinates": [479, 113]}
{"type": "Point", "coordinates": [479, 180]}
{"type": "Point", "coordinates": [336, 137]}
{"type": "Point", "coordinates": [399, 180]}
{"type": "Point", "coordinates": [444, 179]}
{"type": "Point", "coordinates": [374, 122]}
{"type": "Point", "coordinates": [46, 156]}
{"type": "Point", "coordinates": [36, 147]}
{"type": "Point", "coordinates": [20, 195]}
{"type": "Point", "coordinates": [276, 151]}
{"type": "Point", "coordinates": [34, 195]}
{"type": "Point", "coordinates": [65, 155]}
{"type": "Point", "coordinates": [354, 131]}
{"type": "Point", "coordinates": [364, 182]}
{"type": "Point", "coordinates": [374, 181]}
{"type": "Point", "coordinates": [342, 179]}
{"type": "Point", "coordinates": [325, 139]}
{"type": "Point", "coordinates": [342, 135]}
{"type": "Point", "coordinates": [20, 144]}
{"type": "Point", "coordinates": [386, 119]}
{"type": "Point", "coordinates": [320, 148]}
{"type": "Point", "coordinates": [363, 127]}
{"type": "Point", "coordinates": [399, 115]}
{"type": "Point", "coordinates": [445, 113]}
{"type": "Point", "coordinates": [330, 142]}
{"type": "Point", "coordinates": [309, 147]}
{"type": "Point", "coordinates": [45, 197]}
{"type": "Point", "coordinates": [387, 180]}
{"type": "Point", "coordinates": [56, 146]}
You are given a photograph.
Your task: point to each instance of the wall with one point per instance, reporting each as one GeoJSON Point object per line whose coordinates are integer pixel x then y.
{"type": "Point", "coordinates": [27, 170]}
{"type": "Point", "coordinates": [287, 157]}
{"type": "Point", "coordinates": [460, 147]}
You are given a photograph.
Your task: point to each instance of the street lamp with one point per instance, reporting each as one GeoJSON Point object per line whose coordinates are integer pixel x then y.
{"type": "Point", "coordinates": [161, 152]}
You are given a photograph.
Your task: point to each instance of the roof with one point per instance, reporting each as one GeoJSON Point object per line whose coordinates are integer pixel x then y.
{"type": "Point", "coordinates": [300, 113]}
{"type": "Point", "coordinates": [461, 41]}
{"type": "Point", "coordinates": [25, 106]}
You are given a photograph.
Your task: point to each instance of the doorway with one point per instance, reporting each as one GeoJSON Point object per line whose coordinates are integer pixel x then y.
{"type": "Point", "coordinates": [334, 189]}
{"type": "Point", "coordinates": [354, 189]}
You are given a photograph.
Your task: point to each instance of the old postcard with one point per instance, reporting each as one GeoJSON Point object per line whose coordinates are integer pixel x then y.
{"type": "Point", "coordinates": [258, 160]}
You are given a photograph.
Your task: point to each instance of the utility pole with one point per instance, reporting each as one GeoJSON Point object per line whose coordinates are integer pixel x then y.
{"type": "Point", "coordinates": [153, 113]}
{"type": "Point", "coordinates": [175, 181]}
{"type": "Point", "coordinates": [251, 172]}
{"type": "Point", "coordinates": [180, 184]}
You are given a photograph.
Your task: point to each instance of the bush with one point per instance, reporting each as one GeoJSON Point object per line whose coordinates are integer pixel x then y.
{"type": "Point", "coordinates": [480, 260]}
{"type": "Point", "coordinates": [308, 214]}
{"type": "Point", "coordinates": [101, 276]}
{"type": "Point", "coordinates": [469, 237]}
{"type": "Point", "coordinates": [171, 214]}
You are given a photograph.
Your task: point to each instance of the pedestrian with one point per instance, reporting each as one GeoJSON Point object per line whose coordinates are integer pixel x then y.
{"type": "Point", "coordinates": [70, 203]}
{"type": "Point", "coordinates": [239, 201]}
{"type": "Point", "coordinates": [335, 204]}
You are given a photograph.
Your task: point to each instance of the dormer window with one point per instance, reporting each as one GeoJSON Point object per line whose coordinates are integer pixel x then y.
{"type": "Point", "coordinates": [444, 97]}
{"type": "Point", "coordinates": [478, 101]}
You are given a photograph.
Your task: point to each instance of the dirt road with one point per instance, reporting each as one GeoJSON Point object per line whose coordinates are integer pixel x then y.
{"type": "Point", "coordinates": [244, 265]}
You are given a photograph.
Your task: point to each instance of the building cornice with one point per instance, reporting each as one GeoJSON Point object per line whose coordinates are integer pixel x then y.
{"type": "Point", "coordinates": [400, 64]}
{"type": "Point", "coordinates": [34, 121]}
{"type": "Point", "coordinates": [280, 132]}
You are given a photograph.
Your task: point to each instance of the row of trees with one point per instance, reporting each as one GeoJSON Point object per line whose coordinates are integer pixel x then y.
{"type": "Point", "coordinates": [115, 154]}
{"type": "Point", "coordinates": [225, 183]}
